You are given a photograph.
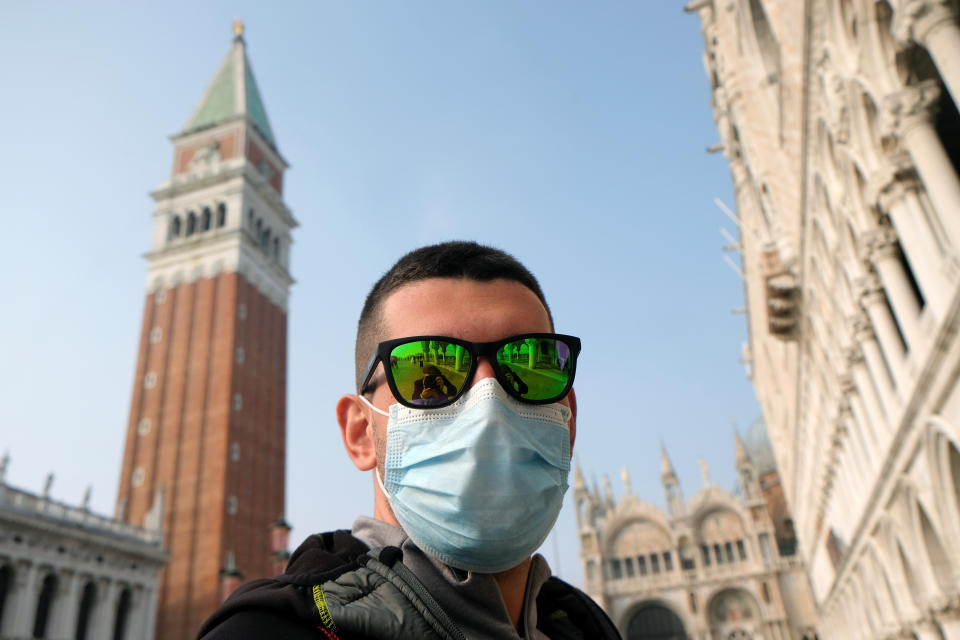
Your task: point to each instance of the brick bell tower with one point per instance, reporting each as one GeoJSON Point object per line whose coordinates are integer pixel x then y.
{"type": "Point", "coordinates": [205, 444]}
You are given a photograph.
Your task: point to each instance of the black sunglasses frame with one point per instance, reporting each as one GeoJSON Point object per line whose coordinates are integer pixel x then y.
{"type": "Point", "coordinates": [476, 349]}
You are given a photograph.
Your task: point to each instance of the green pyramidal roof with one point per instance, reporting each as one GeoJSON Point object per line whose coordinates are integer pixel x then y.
{"type": "Point", "coordinates": [232, 92]}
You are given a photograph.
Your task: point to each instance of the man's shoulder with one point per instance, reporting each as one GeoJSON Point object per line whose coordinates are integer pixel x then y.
{"type": "Point", "coordinates": [564, 611]}
{"type": "Point", "coordinates": [286, 605]}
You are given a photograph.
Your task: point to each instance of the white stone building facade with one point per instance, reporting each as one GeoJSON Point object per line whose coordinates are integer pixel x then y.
{"type": "Point", "coordinates": [713, 568]}
{"type": "Point", "coordinates": [839, 120]}
{"type": "Point", "coordinates": [67, 573]}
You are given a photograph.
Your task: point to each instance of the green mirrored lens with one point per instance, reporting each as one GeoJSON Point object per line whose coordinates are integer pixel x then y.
{"type": "Point", "coordinates": [429, 372]}
{"type": "Point", "coordinates": [536, 368]}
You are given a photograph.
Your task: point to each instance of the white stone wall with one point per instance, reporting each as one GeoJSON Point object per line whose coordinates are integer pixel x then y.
{"type": "Point", "coordinates": [861, 398]}
{"type": "Point", "coordinates": [40, 538]}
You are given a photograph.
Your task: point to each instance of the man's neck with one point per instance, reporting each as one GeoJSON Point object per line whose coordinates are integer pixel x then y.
{"type": "Point", "coordinates": [513, 586]}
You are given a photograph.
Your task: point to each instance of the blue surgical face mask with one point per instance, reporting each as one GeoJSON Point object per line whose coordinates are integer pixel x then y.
{"type": "Point", "coordinates": [479, 484]}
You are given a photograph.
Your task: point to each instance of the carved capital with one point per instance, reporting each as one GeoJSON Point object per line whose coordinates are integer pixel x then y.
{"type": "Point", "coordinates": [891, 180]}
{"type": "Point", "coordinates": [907, 108]}
{"type": "Point", "coordinates": [869, 290]}
{"type": "Point", "coordinates": [853, 355]}
{"type": "Point", "coordinates": [847, 387]}
{"type": "Point", "coordinates": [881, 244]}
{"type": "Point", "coordinates": [917, 19]}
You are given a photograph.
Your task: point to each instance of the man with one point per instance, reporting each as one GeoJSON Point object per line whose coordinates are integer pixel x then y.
{"type": "Point", "coordinates": [465, 488]}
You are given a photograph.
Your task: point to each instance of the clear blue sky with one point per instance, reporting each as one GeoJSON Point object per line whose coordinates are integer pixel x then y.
{"type": "Point", "coordinates": [570, 134]}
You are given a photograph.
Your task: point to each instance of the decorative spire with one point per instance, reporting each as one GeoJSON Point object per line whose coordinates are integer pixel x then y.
{"type": "Point", "coordinates": [238, 28]}
{"type": "Point", "coordinates": [578, 476]}
{"type": "Point", "coordinates": [626, 481]}
{"type": "Point", "coordinates": [705, 471]}
{"type": "Point", "coordinates": [741, 451]}
{"type": "Point", "coordinates": [666, 469]}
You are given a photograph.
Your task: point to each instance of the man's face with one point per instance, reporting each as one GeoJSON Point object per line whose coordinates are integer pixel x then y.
{"type": "Point", "coordinates": [459, 308]}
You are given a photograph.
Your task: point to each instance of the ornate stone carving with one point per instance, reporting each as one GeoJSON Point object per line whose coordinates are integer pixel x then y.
{"type": "Point", "coordinates": [909, 107]}
{"type": "Point", "coordinates": [881, 244]}
{"type": "Point", "coordinates": [869, 290]}
{"type": "Point", "coordinates": [853, 356]}
{"type": "Point", "coordinates": [915, 19]}
{"type": "Point", "coordinates": [891, 180]}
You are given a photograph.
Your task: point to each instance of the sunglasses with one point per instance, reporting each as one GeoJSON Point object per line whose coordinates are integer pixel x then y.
{"type": "Point", "coordinates": [434, 371]}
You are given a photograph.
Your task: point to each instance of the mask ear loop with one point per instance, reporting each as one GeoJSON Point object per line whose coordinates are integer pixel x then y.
{"type": "Point", "coordinates": [370, 404]}
{"type": "Point", "coordinates": [376, 469]}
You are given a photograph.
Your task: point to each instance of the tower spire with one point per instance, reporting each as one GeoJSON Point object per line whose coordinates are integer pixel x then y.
{"type": "Point", "coordinates": [232, 94]}
{"type": "Point", "coordinates": [671, 486]}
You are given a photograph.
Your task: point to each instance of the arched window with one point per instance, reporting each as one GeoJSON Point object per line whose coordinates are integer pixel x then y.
{"type": "Point", "coordinates": [276, 248]}
{"type": "Point", "coordinates": [207, 217]}
{"type": "Point", "coordinates": [6, 582]}
{"type": "Point", "coordinates": [175, 225]}
{"type": "Point", "coordinates": [250, 216]}
{"type": "Point", "coordinates": [221, 215]}
{"type": "Point", "coordinates": [123, 614]}
{"type": "Point", "coordinates": [191, 223]}
{"type": "Point", "coordinates": [655, 621]}
{"type": "Point", "coordinates": [265, 239]}
{"type": "Point", "coordinates": [87, 601]}
{"type": "Point", "coordinates": [44, 606]}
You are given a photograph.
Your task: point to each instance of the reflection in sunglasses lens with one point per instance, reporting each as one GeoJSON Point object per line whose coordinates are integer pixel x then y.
{"type": "Point", "coordinates": [535, 368]}
{"type": "Point", "coordinates": [429, 372]}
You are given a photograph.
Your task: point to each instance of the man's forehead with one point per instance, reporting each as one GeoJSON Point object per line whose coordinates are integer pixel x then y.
{"type": "Point", "coordinates": [462, 307]}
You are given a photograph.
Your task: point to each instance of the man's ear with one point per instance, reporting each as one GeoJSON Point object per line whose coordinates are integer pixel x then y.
{"type": "Point", "coordinates": [572, 397]}
{"type": "Point", "coordinates": [356, 429]}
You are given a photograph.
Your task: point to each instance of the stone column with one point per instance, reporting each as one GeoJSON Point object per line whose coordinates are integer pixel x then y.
{"type": "Point", "coordinates": [852, 417]}
{"type": "Point", "coordinates": [927, 630]}
{"type": "Point", "coordinates": [150, 615]}
{"type": "Point", "coordinates": [908, 113]}
{"type": "Point", "coordinates": [934, 26]}
{"type": "Point", "coordinates": [950, 624]}
{"type": "Point", "coordinates": [138, 613]}
{"type": "Point", "coordinates": [870, 375]}
{"type": "Point", "coordinates": [22, 605]}
{"type": "Point", "coordinates": [906, 307]}
{"type": "Point", "coordinates": [872, 300]}
{"type": "Point", "coordinates": [66, 602]}
{"type": "Point", "coordinates": [105, 610]}
{"type": "Point", "coordinates": [895, 189]}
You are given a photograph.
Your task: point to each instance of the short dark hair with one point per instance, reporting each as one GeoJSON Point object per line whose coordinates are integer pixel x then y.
{"type": "Point", "coordinates": [454, 259]}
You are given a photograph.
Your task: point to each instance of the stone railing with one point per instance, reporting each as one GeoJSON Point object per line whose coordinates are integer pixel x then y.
{"type": "Point", "coordinates": [29, 504]}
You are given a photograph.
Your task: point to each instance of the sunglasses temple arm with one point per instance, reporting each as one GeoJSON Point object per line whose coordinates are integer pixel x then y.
{"type": "Point", "coordinates": [368, 371]}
